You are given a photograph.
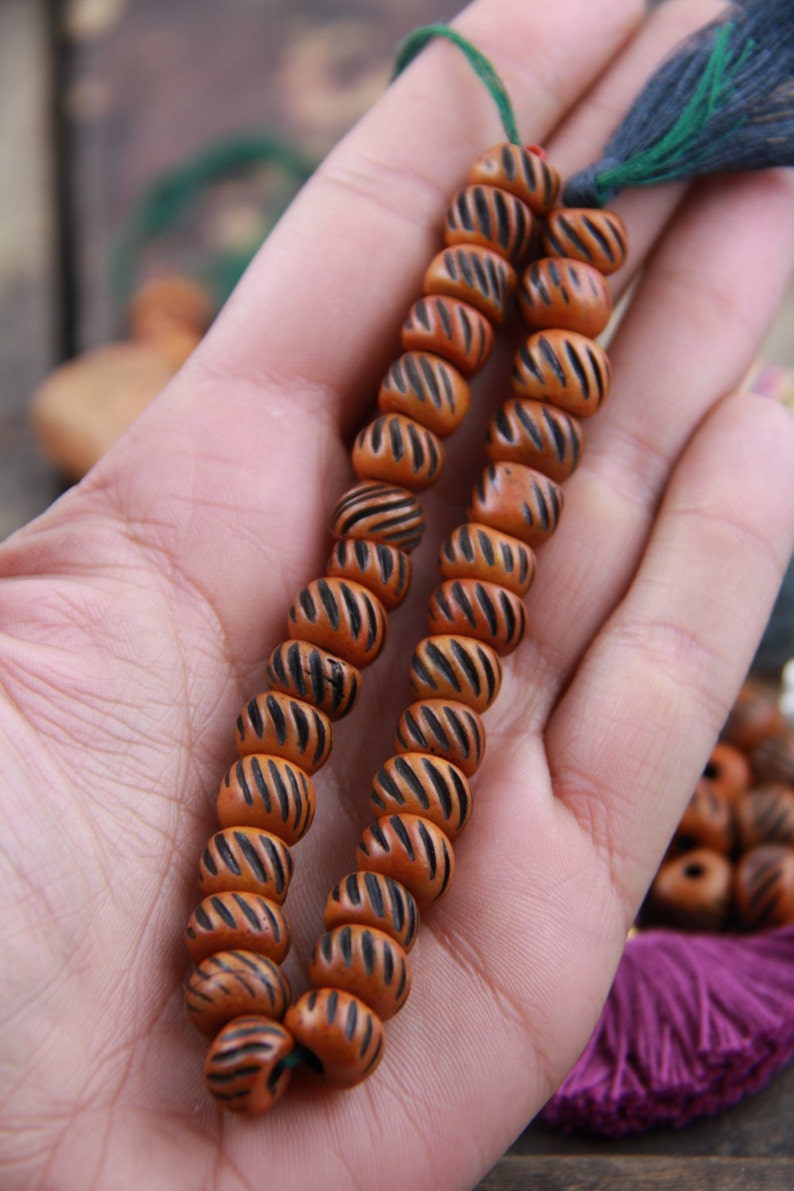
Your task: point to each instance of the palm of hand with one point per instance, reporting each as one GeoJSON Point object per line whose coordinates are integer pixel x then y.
{"type": "Point", "coordinates": [138, 614]}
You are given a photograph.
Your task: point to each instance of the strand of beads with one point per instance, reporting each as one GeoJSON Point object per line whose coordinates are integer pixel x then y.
{"type": "Point", "coordinates": [238, 936]}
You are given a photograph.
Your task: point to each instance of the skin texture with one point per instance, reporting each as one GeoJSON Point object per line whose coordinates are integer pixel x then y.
{"type": "Point", "coordinates": [138, 612]}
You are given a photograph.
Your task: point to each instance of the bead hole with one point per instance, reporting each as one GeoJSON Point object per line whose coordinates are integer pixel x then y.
{"type": "Point", "coordinates": [694, 870]}
{"type": "Point", "coordinates": [711, 771]}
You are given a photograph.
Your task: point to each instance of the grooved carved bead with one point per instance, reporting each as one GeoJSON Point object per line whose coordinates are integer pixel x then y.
{"type": "Point", "coordinates": [447, 666]}
{"type": "Point", "coordinates": [766, 816]}
{"type": "Point", "coordinates": [414, 783]}
{"type": "Point", "coordinates": [518, 501]}
{"type": "Point", "coordinates": [365, 962]}
{"type": "Point", "coordinates": [564, 294]}
{"type": "Point", "coordinates": [341, 1032]}
{"type": "Point", "coordinates": [693, 891]}
{"type": "Point", "coordinates": [233, 983]}
{"type": "Point", "coordinates": [562, 367]}
{"type": "Point", "coordinates": [520, 171]}
{"type": "Point", "coordinates": [475, 608]}
{"type": "Point", "coordinates": [427, 389]}
{"type": "Point", "coordinates": [315, 676]}
{"type": "Point", "coordinates": [451, 329]}
{"type": "Point", "coordinates": [478, 552]}
{"type": "Point", "coordinates": [491, 217]}
{"type": "Point", "coordinates": [383, 570]}
{"type": "Point", "coordinates": [765, 886]}
{"type": "Point", "coordinates": [590, 235]}
{"type": "Point", "coordinates": [370, 899]}
{"type": "Point", "coordinates": [286, 727]}
{"type": "Point", "coordinates": [411, 850]}
{"type": "Point", "coordinates": [443, 728]}
{"type": "Point", "coordinates": [244, 1070]}
{"type": "Point", "coordinates": [707, 821]}
{"type": "Point", "coordinates": [475, 275]}
{"type": "Point", "coordinates": [237, 922]}
{"type": "Point", "coordinates": [247, 859]}
{"type": "Point", "coordinates": [342, 616]}
{"type": "Point", "coordinates": [380, 513]}
{"type": "Point", "coordinates": [397, 450]}
{"type": "Point", "coordinates": [537, 435]}
{"type": "Point", "coordinates": [267, 792]}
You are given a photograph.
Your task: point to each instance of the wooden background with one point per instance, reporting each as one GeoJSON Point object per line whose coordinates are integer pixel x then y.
{"type": "Point", "coordinates": [98, 97]}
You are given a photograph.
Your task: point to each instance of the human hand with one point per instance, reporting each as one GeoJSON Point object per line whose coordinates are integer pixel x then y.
{"type": "Point", "coordinates": [138, 611]}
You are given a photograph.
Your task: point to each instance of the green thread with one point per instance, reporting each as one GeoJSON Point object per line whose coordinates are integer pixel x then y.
{"type": "Point", "coordinates": [660, 162]}
{"type": "Point", "coordinates": [416, 41]}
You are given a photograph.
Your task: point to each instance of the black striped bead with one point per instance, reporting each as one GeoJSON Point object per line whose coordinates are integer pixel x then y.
{"type": "Point", "coordinates": [491, 217]}
{"type": "Point", "coordinates": [247, 859]}
{"type": "Point", "coordinates": [411, 850]}
{"type": "Point", "coordinates": [443, 728]}
{"type": "Point", "coordinates": [341, 1033]}
{"type": "Point", "coordinates": [562, 367]}
{"type": "Point", "coordinates": [765, 886]}
{"type": "Point", "coordinates": [381, 513]}
{"type": "Point", "coordinates": [285, 727]}
{"type": "Point", "coordinates": [518, 501]}
{"type": "Point", "coordinates": [312, 674]}
{"type": "Point", "coordinates": [522, 171]}
{"type": "Point", "coordinates": [232, 983]}
{"type": "Point", "coordinates": [397, 450]}
{"type": "Point", "coordinates": [342, 616]}
{"type": "Point", "coordinates": [476, 608]}
{"type": "Point", "coordinates": [365, 962]}
{"type": "Point", "coordinates": [537, 435]}
{"type": "Point", "coordinates": [414, 783]}
{"type": "Point", "coordinates": [475, 275]}
{"type": "Point", "coordinates": [383, 570]}
{"type": "Point", "coordinates": [371, 899]}
{"type": "Point", "coordinates": [451, 329]}
{"type": "Point", "coordinates": [245, 1070]}
{"type": "Point", "coordinates": [558, 293]}
{"type": "Point", "coordinates": [237, 922]}
{"type": "Point", "coordinates": [765, 815]}
{"type": "Point", "coordinates": [267, 792]}
{"type": "Point", "coordinates": [428, 389]}
{"type": "Point", "coordinates": [478, 552]}
{"type": "Point", "coordinates": [593, 236]}
{"type": "Point", "coordinates": [448, 666]}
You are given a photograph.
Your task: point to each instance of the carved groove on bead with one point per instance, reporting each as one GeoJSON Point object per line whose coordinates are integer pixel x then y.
{"type": "Point", "coordinates": [380, 512]}
{"type": "Point", "coordinates": [267, 792]}
{"type": "Point", "coordinates": [478, 552]}
{"type": "Point", "coordinates": [396, 449]}
{"type": "Point", "coordinates": [372, 899]}
{"type": "Point", "coordinates": [412, 850]}
{"type": "Point", "coordinates": [477, 608]}
{"type": "Point", "coordinates": [443, 728]}
{"type": "Point", "coordinates": [275, 723]}
{"type": "Point", "coordinates": [247, 859]}
{"type": "Point", "coordinates": [559, 293]}
{"type": "Point", "coordinates": [342, 616]}
{"type": "Point", "coordinates": [564, 368]}
{"type": "Point", "coordinates": [418, 784]}
{"type": "Point", "coordinates": [315, 676]}
{"type": "Point", "coordinates": [231, 983]}
{"type": "Point", "coordinates": [595, 237]}
{"type": "Point", "coordinates": [451, 329]}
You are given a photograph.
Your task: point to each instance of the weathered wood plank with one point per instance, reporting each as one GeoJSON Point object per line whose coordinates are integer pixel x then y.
{"type": "Point", "coordinates": [520, 1172]}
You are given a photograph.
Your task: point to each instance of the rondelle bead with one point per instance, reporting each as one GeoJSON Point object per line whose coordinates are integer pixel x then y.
{"type": "Point", "coordinates": [383, 570]}
{"type": "Point", "coordinates": [443, 728]}
{"type": "Point", "coordinates": [411, 850]}
{"type": "Point", "coordinates": [518, 501]}
{"type": "Point", "coordinates": [564, 294]}
{"type": "Point", "coordinates": [728, 771]}
{"type": "Point", "coordinates": [416, 784]}
{"type": "Point", "coordinates": [475, 275]}
{"type": "Point", "coordinates": [535, 434]}
{"type": "Point", "coordinates": [380, 513]}
{"type": "Point", "coordinates": [478, 552]}
{"type": "Point", "coordinates": [456, 667]}
{"type": "Point", "coordinates": [315, 676]}
{"type": "Point", "coordinates": [342, 1034]}
{"type": "Point", "coordinates": [427, 389]}
{"type": "Point", "coordinates": [564, 368]}
{"type": "Point", "coordinates": [232, 983]}
{"type": "Point", "coordinates": [773, 760]}
{"type": "Point", "coordinates": [764, 886]}
{"type": "Point", "coordinates": [707, 821]}
{"type": "Point", "coordinates": [370, 899]}
{"type": "Point", "coordinates": [451, 329]}
{"type": "Point", "coordinates": [755, 716]}
{"type": "Point", "coordinates": [341, 616]}
{"type": "Point", "coordinates": [590, 235]}
{"type": "Point", "coordinates": [267, 792]}
{"type": "Point", "coordinates": [365, 962]}
{"type": "Point", "coordinates": [286, 727]}
{"type": "Point", "coordinates": [237, 922]}
{"type": "Point", "coordinates": [247, 859]}
{"type": "Point", "coordinates": [520, 170]}
{"type": "Point", "coordinates": [476, 608]}
{"type": "Point", "coordinates": [245, 1069]}
{"type": "Point", "coordinates": [491, 217]}
{"type": "Point", "coordinates": [693, 892]}
{"type": "Point", "coordinates": [397, 450]}
{"type": "Point", "coordinates": [766, 816]}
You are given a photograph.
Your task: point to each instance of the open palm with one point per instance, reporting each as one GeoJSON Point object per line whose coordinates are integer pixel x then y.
{"type": "Point", "coordinates": [138, 612]}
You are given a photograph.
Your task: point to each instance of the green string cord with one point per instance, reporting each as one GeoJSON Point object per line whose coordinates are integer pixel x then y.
{"type": "Point", "coordinates": [416, 41]}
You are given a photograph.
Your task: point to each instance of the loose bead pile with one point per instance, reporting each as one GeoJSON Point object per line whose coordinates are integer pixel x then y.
{"type": "Point", "coordinates": [337, 625]}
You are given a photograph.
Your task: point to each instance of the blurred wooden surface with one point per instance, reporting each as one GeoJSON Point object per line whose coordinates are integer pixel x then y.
{"type": "Point", "coordinates": [150, 82]}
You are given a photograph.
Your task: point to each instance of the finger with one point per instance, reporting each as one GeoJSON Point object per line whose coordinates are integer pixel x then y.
{"type": "Point", "coordinates": [627, 744]}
